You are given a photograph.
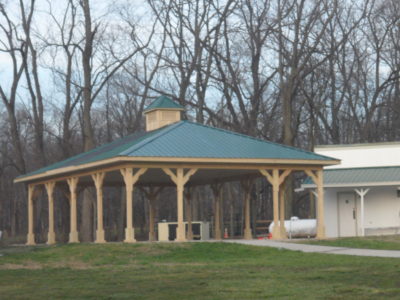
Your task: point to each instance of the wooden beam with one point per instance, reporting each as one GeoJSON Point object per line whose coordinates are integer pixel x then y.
{"type": "Point", "coordinates": [171, 174]}
{"type": "Point", "coordinates": [217, 189]}
{"type": "Point", "coordinates": [51, 236]}
{"type": "Point", "coordinates": [320, 206]}
{"type": "Point", "coordinates": [247, 185]}
{"type": "Point", "coordinates": [230, 163]}
{"type": "Point", "coordinates": [98, 179]}
{"type": "Point", "coordinates": [313, 175]}
{"type": "Point", "coordinates": [188, 175]}
{"type": "Point", "coordinates": [151, 195]}
{"type": "Point", "coordinates": [274, 180]}
{"type": "Point", "coordinates": [267, 175]}
{"type": "Point", "coordinates": [30, 240]}
{"type": "Point", "coordinates": [284, 174]}
{"type": "Point", "coordinates": [130, 180]}
{"type": "Point", "coordinates": [188, 207]}
{"type": "Point", "coordinates": [225, 166]}
{"type": "Point", "coordinates": [180, 179]}
{"type": "Point", "coordinates": [73, 235]}
{"type": "Point", "coordinates": [282, 193]}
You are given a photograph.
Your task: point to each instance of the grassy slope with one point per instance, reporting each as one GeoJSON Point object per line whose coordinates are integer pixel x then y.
{"type": "Point", "coordinates": [191, 271]}
{"type": "Point", "coordinates": [389, 242]}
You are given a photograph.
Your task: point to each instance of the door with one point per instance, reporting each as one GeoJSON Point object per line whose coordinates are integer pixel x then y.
{"type": "Point", "coordinates": [347, 214]}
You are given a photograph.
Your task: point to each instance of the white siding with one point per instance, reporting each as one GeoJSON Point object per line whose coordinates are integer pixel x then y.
{"type": "Point", "coordinates": [381, 216]}
{"type": "Point", "coordinates": [360, 156]}
{"type": "Point", "coordinates": [331, 220]}
{"type": "Point", "coordinates": [382, 208]}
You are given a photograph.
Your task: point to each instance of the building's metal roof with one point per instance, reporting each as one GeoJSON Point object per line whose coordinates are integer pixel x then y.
{"type": "Point", "coordinates": [186, 139]}
{"type": "Point", "coordinates": [163, 102]}
{"type": "Point", "coordinates": [377, 176]}
{"type": "Point", "coordinates": [359, 145]}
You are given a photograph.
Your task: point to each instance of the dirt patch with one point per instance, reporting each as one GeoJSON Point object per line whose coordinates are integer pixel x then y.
{"type": "Point", "coordinates": [29, 265]}
{"type": "Point", "coordinates": [170, 264]}
{"type": "Point", "coordinates": [339, 269]}
{"type": "Point", "coordinates": [151, 251]}
{"type": "Point", "coordinates": [76, 265]}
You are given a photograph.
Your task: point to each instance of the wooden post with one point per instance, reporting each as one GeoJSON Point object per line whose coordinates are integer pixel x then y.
{"type": "Point", "coordinates": [98, 179]}
{"type": "Point", "coordinates": [73, 235]}
{"type": "Point", "coordinates": [282, 210]}
{"type": "Point", "coordinates": [276, 232]}
{"type": "Point", "coordinates": [151, 195]}
{"type": "Point", "coordinates": [246, 185]}
{"type": "Point", "coordinates": [312, 205]}
{"type": "Point", "coordinates": [130, 179]}
{"type": "Point", "coordinates": [318, 178]}
{"type": "Point", "coordinates": [152, 232]}
{"type": "Point", "coordinates": [320, 215]}
{"type": "Point", "coordinates": [180, 179]}
{"type": "Point", "coordinates": [188, 208]}
{"type": "Point", "coordinates": [30, 240]}
{"type": "Point", "coordinates": [276, 180]}
{"type": "Point", "coordinates": [180, 231]}
{"type": "Point", "coordinates": [217, 189]}
{"type": "Point", "coordinates": [51, 237]}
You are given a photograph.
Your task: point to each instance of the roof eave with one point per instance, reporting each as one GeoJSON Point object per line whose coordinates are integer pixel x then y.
{"type": "Point", "coordinates": [181, 160]}
{"type": "Point", "coordinates": [163, 108]}
{"type": "Point", "coordinates": [355, 185]}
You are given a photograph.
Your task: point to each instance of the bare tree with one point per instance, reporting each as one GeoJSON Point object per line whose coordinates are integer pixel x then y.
{"type": "Point", "coordinates": [16, 47]}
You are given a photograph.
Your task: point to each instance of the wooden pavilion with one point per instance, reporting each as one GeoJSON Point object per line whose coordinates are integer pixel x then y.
{"type": "Point", "coordinates": [173, 152]}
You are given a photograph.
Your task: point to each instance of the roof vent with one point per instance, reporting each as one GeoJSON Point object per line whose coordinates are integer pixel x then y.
{"type": "Point", "coordinates": [162, 112]}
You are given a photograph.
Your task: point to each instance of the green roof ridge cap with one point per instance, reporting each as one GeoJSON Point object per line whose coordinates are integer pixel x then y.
{"type": "Point", "coordinates": [261, 140]}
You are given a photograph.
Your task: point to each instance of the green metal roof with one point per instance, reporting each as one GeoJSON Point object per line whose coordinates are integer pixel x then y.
{"type": "Point", "coordinates": [186, 139]}
{"type": "Point", "coordinates": [359, 176]}
{"type": "Point", "coordinates": [163, 102]}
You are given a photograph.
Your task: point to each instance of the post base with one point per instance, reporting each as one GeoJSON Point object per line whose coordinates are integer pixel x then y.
{"type": "Point", "coordinates": [283, 232]}
{"type": "Point", "coordinates": [180, 240]}
{"type": "Point", "coordinates": [276, 233]}
{"type": "Point", "coordinates": [180, 234]}
{"type": "Point", "coordinates": [217, 235]}
{"type": "Point", "coordinates": [190, 235]}
{"type": "Point", "coordinates": [73, 237]}
{"type": "Point", "coordinates": [247, 234]}
{"type": "Point", "coordinates": [152, 236]}
{"type": "Point", "coordinates": [320, 232]}
{"type": "Point", "coordinates": [129, 235]}
{"type": "Point", "coordinates": [30, 239]}
{"type": "Point", "coordinates": [100, 237]}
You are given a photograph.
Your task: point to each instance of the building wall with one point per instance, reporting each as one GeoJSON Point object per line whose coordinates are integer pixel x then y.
{"type": "Point", "coordinates": [381, 211]}
{"type": "Point", "coordinates": [362, 155]}
{"type": "Point", "coordinates": [331, 219]}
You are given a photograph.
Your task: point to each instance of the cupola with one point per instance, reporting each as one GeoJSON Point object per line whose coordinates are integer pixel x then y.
{"type": "Point", "coordinates": [162, 112]}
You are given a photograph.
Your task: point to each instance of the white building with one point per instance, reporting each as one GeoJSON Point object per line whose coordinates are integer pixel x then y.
{"type": "Point", "coordinates": [362, 194]}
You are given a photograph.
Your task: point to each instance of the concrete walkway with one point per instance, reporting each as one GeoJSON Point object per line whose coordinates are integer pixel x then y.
{"type": "Point", "coordinates": [318, 249]}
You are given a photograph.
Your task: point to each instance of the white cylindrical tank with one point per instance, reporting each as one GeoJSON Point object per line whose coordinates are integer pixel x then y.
{"type": "Point", "coordinates": [298, 228]}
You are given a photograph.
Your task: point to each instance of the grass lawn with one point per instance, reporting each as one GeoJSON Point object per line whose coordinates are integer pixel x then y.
{"type": "Point", "coordinates": [384, 242]}
{"type": "Point", "coordinates": [191, 271]}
